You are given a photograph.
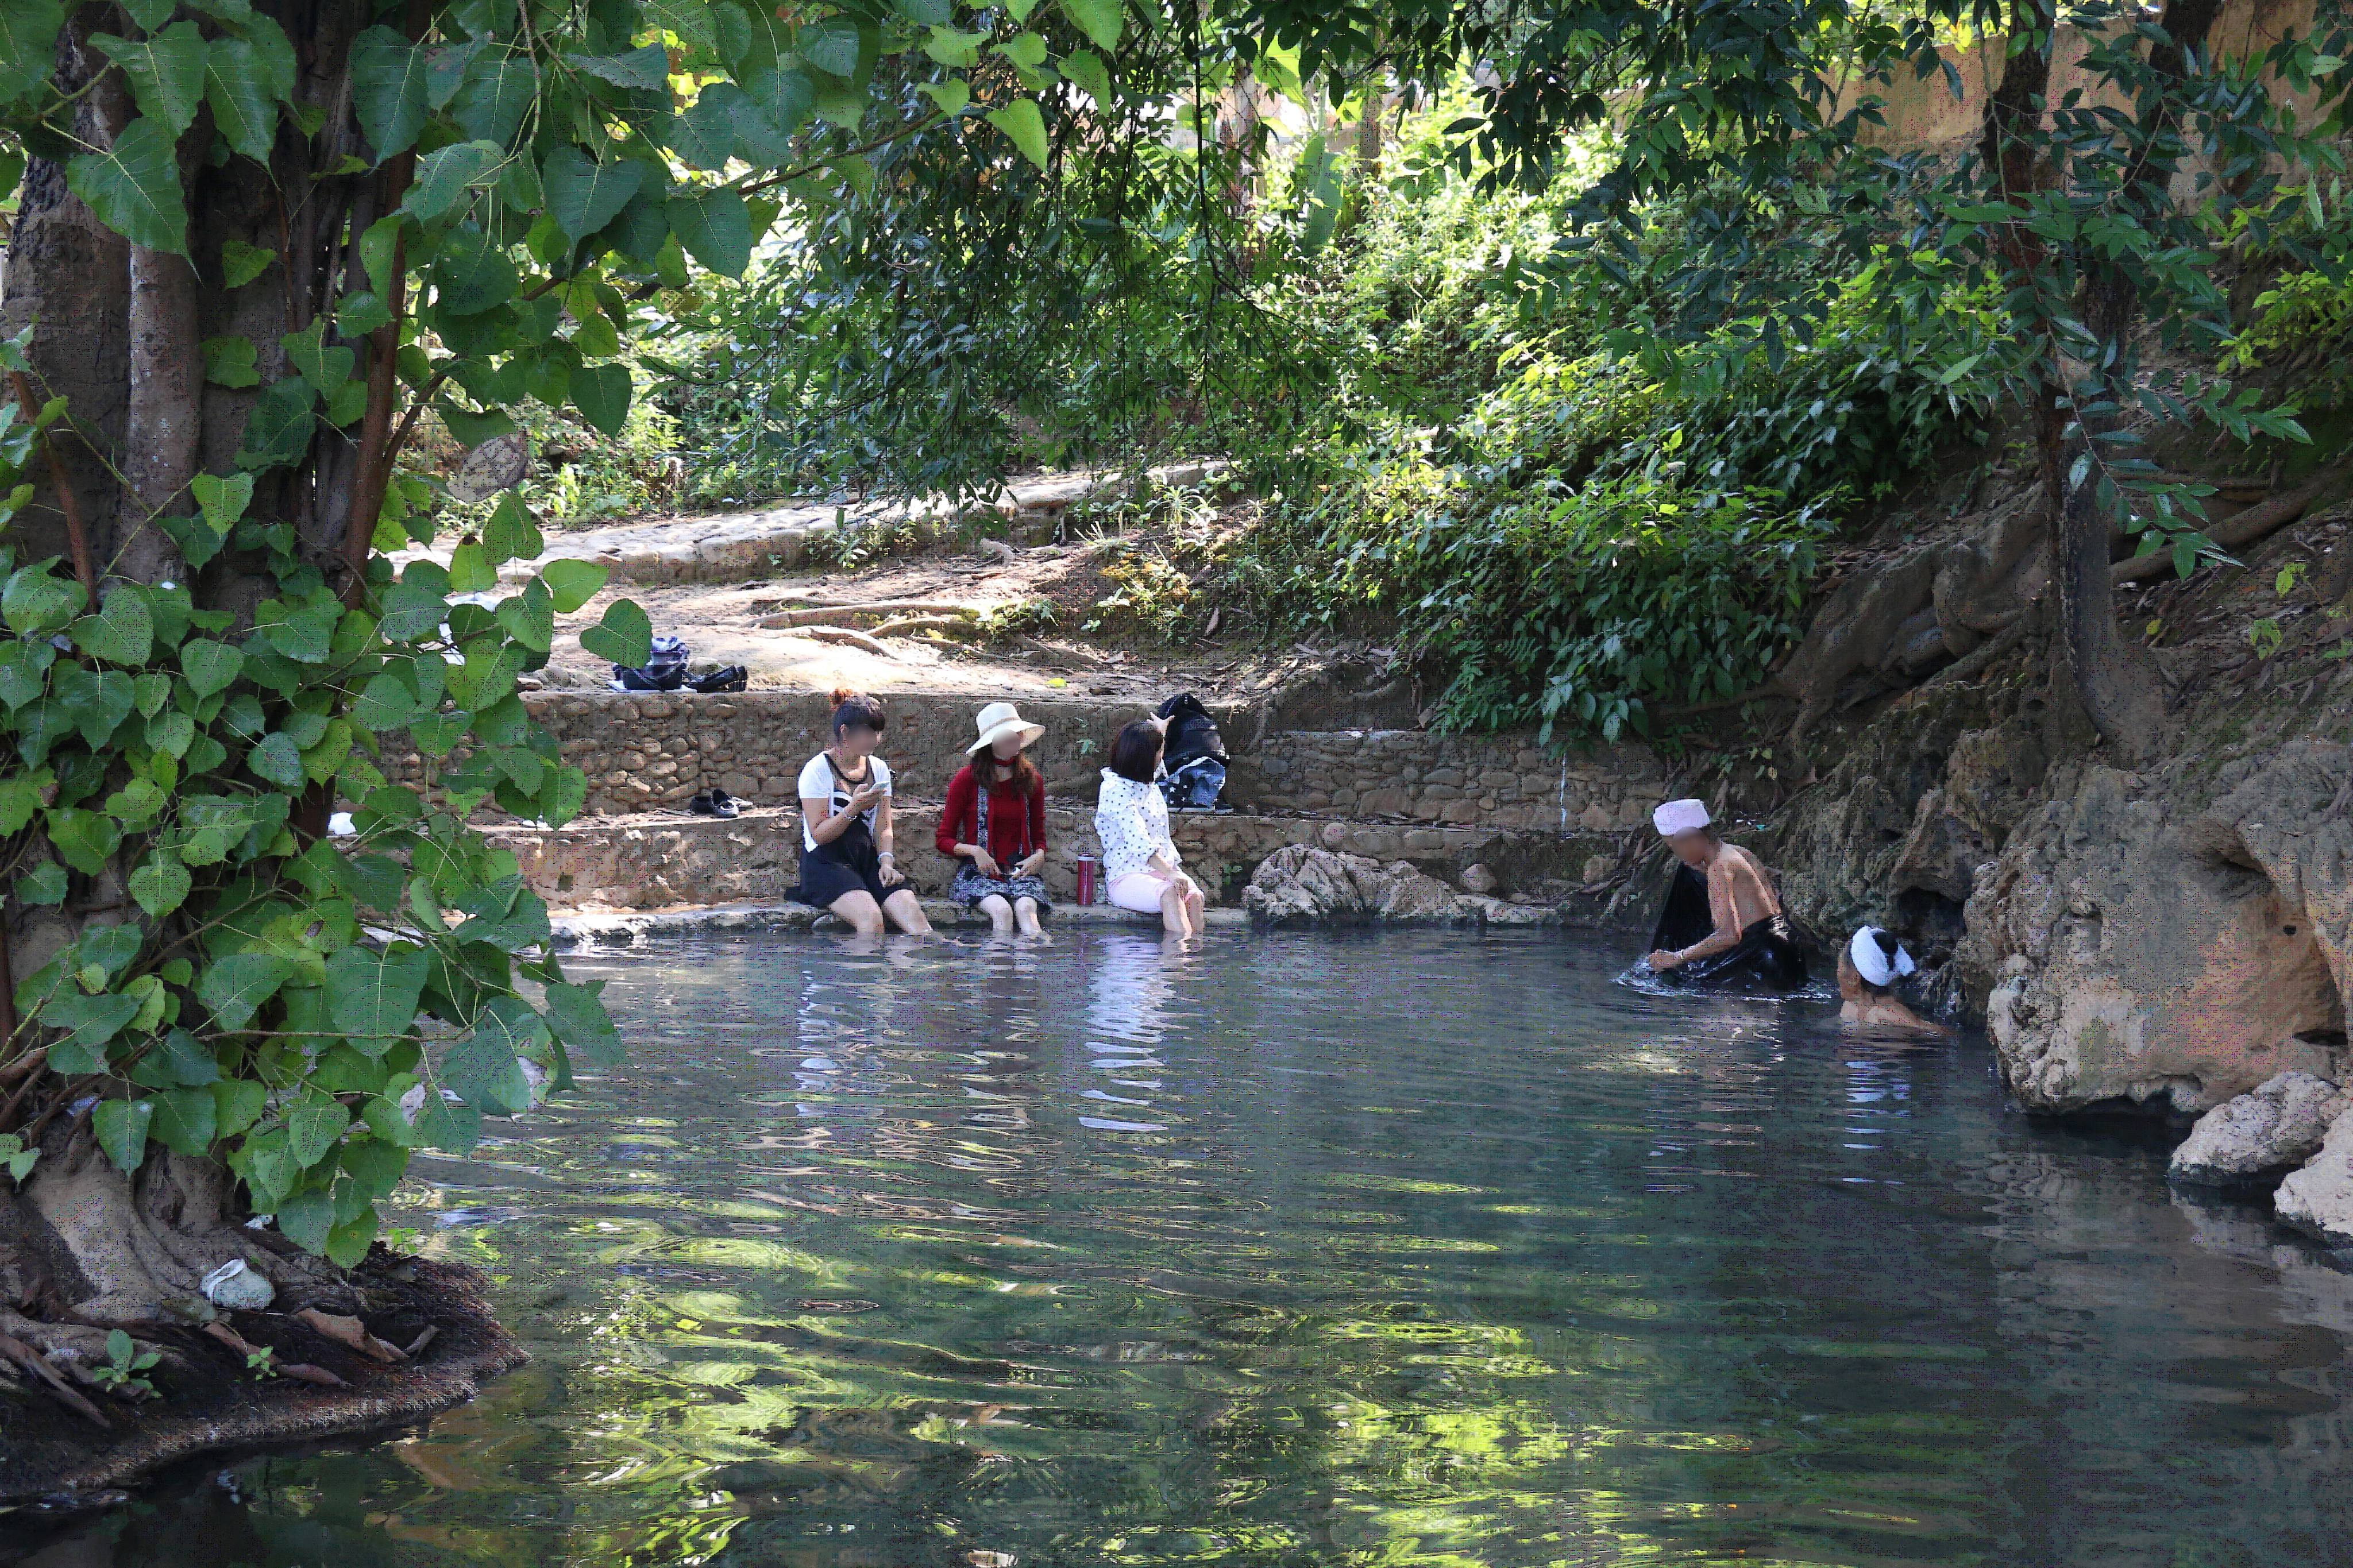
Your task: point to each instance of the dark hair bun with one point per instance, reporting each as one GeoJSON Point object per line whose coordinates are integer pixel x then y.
{"type": "Point", "coordinates": [856, 710]}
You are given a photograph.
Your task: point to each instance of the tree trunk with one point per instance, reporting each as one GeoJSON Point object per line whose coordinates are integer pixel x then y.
{"type": "Point", "coordinates": [2117, 684]}
{"type": "Point", "coordinates": [2109, 677]}
{"type": "Point", "coordinates": [70, 274]}
{"type": "Point", "coordinates": [117, 333]}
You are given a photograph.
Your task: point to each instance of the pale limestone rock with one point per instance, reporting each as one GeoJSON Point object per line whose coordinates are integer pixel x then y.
{"type": "Point", "coordinates": [2267, 1131]}
{"type": "Point", "coordinates": [2136, 954]}
{"type": "Point", "coordinates": [1302, 885]}
{"type": "Point", "coordinates": [2319, 1197]}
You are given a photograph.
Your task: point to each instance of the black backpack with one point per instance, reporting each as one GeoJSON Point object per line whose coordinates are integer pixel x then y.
{"type": "Point", "coordinates": [1192, 733]}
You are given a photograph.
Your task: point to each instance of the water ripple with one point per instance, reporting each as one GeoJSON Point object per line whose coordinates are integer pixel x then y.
{"type": "Point", "coordinates": [1411, 1249]}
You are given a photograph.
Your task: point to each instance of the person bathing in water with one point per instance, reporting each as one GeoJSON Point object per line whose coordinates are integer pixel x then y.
{"type": "Point", "coordinates": [848, 864]}
{"type": "Point", "coordinates": [1868, 968]}
{"type": "Point", "coordinates": [1723, 924]}
{"type": "Point", "coordinates": [994, 822]}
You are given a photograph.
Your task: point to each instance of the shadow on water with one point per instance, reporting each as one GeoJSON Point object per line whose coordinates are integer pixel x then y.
{"type": "Point", "coordinates": [1429, 1248]}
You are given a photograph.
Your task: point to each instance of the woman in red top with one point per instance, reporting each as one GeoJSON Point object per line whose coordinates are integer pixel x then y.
{"type": "Point", "coordinates": [999, 832]}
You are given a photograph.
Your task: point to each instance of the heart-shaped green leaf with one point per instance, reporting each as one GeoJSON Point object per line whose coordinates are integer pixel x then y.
{"type": "Point", "coordinates": [122, 632]}
{"type": "Point", "coordinates": [166, 69]}
{"type": "Point", "coordinates": [121, 1129]}
{"type": "Point", "coordinates": [601, 393]}
{"type": "Point", "coordinates": [133, 186]}
{"type": "Point", "coordinates": [573, 583]}
{"type": "Point", "coordinates": [625, 637]}
{"type": "Point", "coordinates": [373, 996]}
{"type": "Point", "coordinates": [583, 195]}
{"type": "Point", "coordinates": [1024, 126]}
{"type": "Point", "coordinates": [236, 986]}
{"type": "Point", "coordinates": [388, 76]}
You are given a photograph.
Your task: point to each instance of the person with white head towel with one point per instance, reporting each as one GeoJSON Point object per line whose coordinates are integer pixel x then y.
{"type": "Point", "coordinates": [1868, 968]}
{"type": "Point", "coordinates": [1723, 924]}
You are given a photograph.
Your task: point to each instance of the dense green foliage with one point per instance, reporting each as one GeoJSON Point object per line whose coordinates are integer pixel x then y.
{"type": "Point", "coordinates": [1645, 244]}
{"type": "Point", "coordinates": [2300, 328]}
{"type": "Point", "coordinates": [531, 175]}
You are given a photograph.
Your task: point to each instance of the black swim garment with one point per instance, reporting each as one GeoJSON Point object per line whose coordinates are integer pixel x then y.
{"type": "Point", "coordinates": [1768, 958]}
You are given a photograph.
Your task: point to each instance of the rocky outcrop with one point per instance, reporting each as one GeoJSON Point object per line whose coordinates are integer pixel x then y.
{"type": "Point", "coordinates": [1895, 833]}
{"type": "Point", "coordinates": [2137, 952]}
{"type": "Point", "coordinates": [1305, 885]}
{"type": "Point", "coordinates": [2319, 1197]}
{"type": "Point", "coordinates": [1881, 630]}
{"type": "Point", "coordinates": [2259, 1136]}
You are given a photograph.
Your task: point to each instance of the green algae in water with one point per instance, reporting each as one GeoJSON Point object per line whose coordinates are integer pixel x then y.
{"type": "Point", "coordinates": [1409, 1249]}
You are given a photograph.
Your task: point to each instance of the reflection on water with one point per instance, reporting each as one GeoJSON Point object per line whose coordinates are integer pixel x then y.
{"type": "Point", "coordinates": [1406, 1249]}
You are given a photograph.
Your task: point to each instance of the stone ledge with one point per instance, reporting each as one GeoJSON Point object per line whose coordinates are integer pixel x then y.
{"type": "Point", "coordinates": [656, 862]}
{"type": "Point", "coordinates": [592, 927]}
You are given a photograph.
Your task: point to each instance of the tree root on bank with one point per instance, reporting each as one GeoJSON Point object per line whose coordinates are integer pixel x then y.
{"type": "Point", "coordinates": [32, 1361]}
{"type": "Point", "coordinates": [85, 1249]}
{"type": "Point", "coordinates": [111, 1250]}
{"type": "Point", "coordinates": [845, 638]}
{"type": "Point", "coordinates": [1982, 659]}
{"type": "Point", "coordinates": [2251, 526]}
{"type": "Point", "coordinates": [823, 615]}
{"type": "Point", "coordinates": [921, 624]}
{"type": "Point", "coordinates": [212, 1401]}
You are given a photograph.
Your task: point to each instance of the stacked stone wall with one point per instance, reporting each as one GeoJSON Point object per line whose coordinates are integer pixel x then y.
{"type": "Point", "coordinates": [643, 752]}
{"type": "Point", "coordinates": [646, 751]}
{"type": "Point", "coordinates": [1498, 781]}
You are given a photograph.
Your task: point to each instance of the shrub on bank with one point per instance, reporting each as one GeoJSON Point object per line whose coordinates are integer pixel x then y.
{"type": "Point", "coordinates": [1588, 610]}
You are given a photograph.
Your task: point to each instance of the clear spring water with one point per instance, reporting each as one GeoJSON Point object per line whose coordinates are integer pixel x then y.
{"type": "Point", "coordinates": [1392, 1249]}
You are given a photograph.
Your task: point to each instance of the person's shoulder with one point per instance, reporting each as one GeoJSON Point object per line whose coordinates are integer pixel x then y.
{"type": "Point", "coordinates": [881, 772]}
{"type": "Point", "coordinates": [816, 777]}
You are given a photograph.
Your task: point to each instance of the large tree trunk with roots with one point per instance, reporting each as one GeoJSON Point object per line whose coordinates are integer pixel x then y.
{"type": "Point", "coordinates": [116, 332]}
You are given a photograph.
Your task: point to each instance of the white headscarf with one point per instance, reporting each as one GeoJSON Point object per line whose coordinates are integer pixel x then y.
{"type": "Point", "coordinates": [1870, 959]}
{"type": "Point", "coordinates": [1680, 817]}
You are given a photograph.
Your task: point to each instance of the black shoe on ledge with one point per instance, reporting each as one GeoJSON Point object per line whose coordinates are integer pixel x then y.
{"type": "Point", "coordinates": [716, 803]}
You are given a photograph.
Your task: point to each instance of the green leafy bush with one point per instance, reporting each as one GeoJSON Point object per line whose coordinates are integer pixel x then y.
{"type": "Point", "coordinates": [2298, 330]}
{"type": "Point", "coordinates": [1588, 609]}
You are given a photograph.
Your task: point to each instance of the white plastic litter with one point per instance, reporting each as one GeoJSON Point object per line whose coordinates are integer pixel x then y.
{"type": "Point", "coordinates": [340, 825]}
{"type": "Point", "coordinates": [414, 1100]}
{"type": "Point", "coordinates": [236, 1289]}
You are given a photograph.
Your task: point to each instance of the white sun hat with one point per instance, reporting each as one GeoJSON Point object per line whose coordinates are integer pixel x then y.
{"type": "Point", "coordinates": [1680, 817]}
{"type": "Point", "coordinates": [1003, 719]}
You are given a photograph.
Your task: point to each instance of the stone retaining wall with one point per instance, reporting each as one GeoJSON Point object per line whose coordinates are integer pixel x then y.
{"type": "Point", "coordinates": [1498, 781]}
{"type": "Point", "coordinates": [656, 862]}
{"type": "Point", "coordinates": [643, 752]}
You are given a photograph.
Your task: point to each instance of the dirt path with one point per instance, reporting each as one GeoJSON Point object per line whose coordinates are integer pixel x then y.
{"type": "Point", "coordinates": [723, 625]}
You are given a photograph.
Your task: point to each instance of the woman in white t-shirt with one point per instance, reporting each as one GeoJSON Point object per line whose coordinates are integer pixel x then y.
{"type": "Point", "coordinates": [847, 860]}
{"type": "Point", "coordinates": [1140, 860]}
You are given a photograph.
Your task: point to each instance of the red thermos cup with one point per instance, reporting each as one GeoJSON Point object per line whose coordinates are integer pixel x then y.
{"type": "Point", "coordinates": [1089, 868]}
